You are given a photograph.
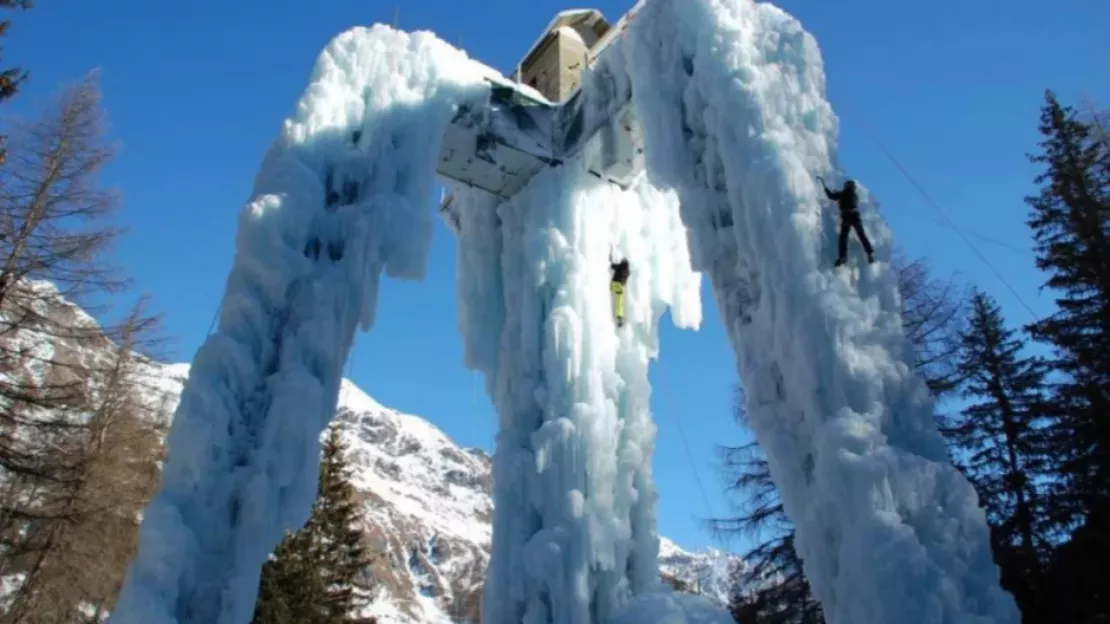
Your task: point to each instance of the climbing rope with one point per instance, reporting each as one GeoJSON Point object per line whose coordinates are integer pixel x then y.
{"type": "Point", "coordinates": [693, 465]}
{"type": "Point", "coordinates": [946, 222]}
{"type": "Point", "coordinates": [215, 315]}
{"type": "Point", "coordinates": [929, 200]}
{"type": "Point", "coordinates": [715, 535]}
{"type": "Point", "coordinates": [983, 237]}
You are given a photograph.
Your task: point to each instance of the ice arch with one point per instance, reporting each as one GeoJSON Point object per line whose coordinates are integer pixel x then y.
{"type": "Point", "coordinates": [729, 97]}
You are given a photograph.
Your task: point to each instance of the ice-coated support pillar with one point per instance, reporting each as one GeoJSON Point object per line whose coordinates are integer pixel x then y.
{"type": "Point", "coordinates": [574, 527]}
{"type": "Point", "coordinates": [731, 99]}
{"type": "Point", "coordinates": [341, 198]}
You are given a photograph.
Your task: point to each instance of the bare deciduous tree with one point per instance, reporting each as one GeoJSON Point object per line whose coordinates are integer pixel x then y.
{"type": "Point", "coordinates": [76, 550]}
{"type": "Point", "coordinates": [1099, 120]}
{"type": "Point", "coordinates": [54, 215]}
{"type": "Point", "coordinates": [933, 312]}
{"type": "Point", "coordinates": [53, 235]}
{"type": "Point", "coordinates": [79, 441]}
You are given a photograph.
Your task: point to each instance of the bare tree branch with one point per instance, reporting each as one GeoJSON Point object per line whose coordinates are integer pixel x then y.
{"type": "Point", "coordinates": [79, 439]}
{"type": "Point", "coordinates": [54, 216]}
{"type": "Point", "coordinates": [84, 527]}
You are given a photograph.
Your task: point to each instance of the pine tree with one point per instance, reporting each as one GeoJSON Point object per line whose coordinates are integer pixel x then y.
{"type": "Point", "coordinates": [1076, 576]}
{"type": "Point", "coordinates": [1001, 443]}
{"type": "Point", "coordinates": [932, 312]}
{"type": "Point", "coordinates": [290, 589]}
{"type": "Point", "coordinates": [1070, 220]}
{"type": "Point", "coordinates": [313, 574]}
{"type": "Point", "coordinates": [773, 588]}
{"type": "Point", "coordinates": [787, 600]}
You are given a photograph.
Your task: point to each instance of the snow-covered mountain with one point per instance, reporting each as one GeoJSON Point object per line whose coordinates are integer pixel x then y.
{"type": "Point", "coordinates": [428, 510]}
{"type": "Point", "coordinates": [708, 572]}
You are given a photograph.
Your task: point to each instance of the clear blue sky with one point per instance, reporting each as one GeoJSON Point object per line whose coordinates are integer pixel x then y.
{"type": "Point", "coordinates": [195, 92]}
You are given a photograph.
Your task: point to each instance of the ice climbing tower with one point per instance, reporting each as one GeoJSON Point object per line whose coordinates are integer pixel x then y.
{"type": "Point", "coordinates": [686, 135]}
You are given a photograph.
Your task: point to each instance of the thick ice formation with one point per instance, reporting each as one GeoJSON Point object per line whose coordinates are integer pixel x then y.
{"type": "Point", "coordinates": [730, 95]}
{"type": "Point", "coordinates": [574, 525]}
{"type": "Point", "coordinates": [341, 197]}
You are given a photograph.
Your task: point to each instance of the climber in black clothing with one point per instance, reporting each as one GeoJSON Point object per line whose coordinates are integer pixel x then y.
{"type": "Point", "coordinates": [621, 272]}
{"type": "Point", "coordinates": [848, 201]}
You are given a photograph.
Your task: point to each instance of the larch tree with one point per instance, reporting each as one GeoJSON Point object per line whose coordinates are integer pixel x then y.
{"type": "Point", "coordinates": [75, 552]}
{"type": "Point", "coordinates": [933, 310]}
{"type": "Point", "coordinates": [54, 235]}
{"type": "Point", "coordinates": [71, 405]}
{"type": "Point", "coordinates": [771, 587]}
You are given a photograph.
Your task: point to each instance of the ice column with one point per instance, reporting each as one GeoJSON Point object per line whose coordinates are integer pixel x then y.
{"type": "Point", "coordinates": [731, 97]}
{"type": "Point", "coordinates": [342, 197]}
{"type": "Point", "coordinates": [574, 526]}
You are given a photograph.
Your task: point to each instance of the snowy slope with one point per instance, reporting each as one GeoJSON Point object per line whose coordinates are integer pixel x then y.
{"type": "Point", "coordinates": [426, 513]}
{"type": "Point", "coordinates": [61, 344]}
{"type": "Point", "coordinates": [708, 572]}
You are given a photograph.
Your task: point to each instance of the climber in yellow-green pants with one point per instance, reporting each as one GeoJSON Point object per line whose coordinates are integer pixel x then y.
{"type": "Point", "coordinates": [621, 271]}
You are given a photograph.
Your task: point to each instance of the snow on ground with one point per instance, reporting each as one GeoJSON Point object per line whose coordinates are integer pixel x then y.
{"type": "Point", "coordinates": [342, 196]}
{"type": "Point", "coordinates": [574, 525]}
{"type": "Point", "coordinates": [9, 585]}
{"type": "Point", "coordinates": [667, 607]}
{"type": "Point", "coordinates": [709, 572]}
{"type": "Point", "coordinates": [731, 96]}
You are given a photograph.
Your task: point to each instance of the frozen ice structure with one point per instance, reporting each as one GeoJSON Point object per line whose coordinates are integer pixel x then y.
{"type": "Point", "coordinates": [730, 96]}
{"type": "Point", "coordinates": [342, 197]}
{"type": "Point", "coordinates": [729, 100]}
{"type": "Point", "coordinates": [574, 525]}
{"type": "Point", "coordinates": [692, 146]}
